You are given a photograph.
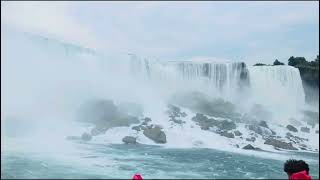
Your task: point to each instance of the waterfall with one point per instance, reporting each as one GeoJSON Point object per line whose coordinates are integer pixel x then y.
{"type": "Point", "coordinates": [278, 86]}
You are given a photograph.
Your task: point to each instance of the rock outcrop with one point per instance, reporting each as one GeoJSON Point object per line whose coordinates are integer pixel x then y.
{"type": "Point", "coordinates": [279, 144]}
{"type": "Point", "coordinates": [156, 134]}
{"type": "Point", "coordinates": [227, 134]}
{"type": "Point", "coordinates": [305, 129]}
{"type": "Point", "coordinates": [292, 128]}
{"type": "Point", "coordinates": [129, 140]}
{"type": "Point", "coordinates": [250, 147]}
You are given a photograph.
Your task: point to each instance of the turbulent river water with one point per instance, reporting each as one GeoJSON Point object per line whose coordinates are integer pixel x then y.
{"type": "Point", "coordinates": [122, 161]}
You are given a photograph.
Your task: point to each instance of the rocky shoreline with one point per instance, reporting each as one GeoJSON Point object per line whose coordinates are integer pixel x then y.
{"type": "Point", "coordinates": [104, 115]}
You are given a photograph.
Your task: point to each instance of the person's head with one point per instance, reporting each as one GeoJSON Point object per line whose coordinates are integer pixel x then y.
{"type": "Point", "coordinates": [292, 166]}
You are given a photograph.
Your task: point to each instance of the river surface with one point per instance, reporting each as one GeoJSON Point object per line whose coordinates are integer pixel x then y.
{"type": "Point", "coordinates": [88, 160]}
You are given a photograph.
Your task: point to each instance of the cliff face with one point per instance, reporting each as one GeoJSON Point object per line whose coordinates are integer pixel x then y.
{"type": "Point", "coordinates": [310, 81]}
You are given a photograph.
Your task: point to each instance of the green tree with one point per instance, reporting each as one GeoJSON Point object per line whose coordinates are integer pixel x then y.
{"type": "Point", "coordinates": [293, 61]}
{"type": "Point", "coordinates": [277, 62]}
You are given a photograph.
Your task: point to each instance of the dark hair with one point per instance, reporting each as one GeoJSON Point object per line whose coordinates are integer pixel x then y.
{"type": "Point", "coordinates": [293, 166]}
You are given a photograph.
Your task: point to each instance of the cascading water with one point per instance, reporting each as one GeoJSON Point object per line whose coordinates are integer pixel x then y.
{"type": "Point", "coordinates": [226, 80]}
{"type": "Point", "coordinates": [53, 79]}
{"type": "Point", "coordinates": [278, 86]}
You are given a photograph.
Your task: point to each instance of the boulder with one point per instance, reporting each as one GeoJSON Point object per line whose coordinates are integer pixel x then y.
{"type": "Point", "coordinates": [295, 139]}
{"type": "Point", "coordinates": [147, 119]}
{"type": "Point", "coordinates": [305, 129]}
{"type": "Point", "coordinates": [155, 134]}
{"type": "Point", "coordinates": [137, 128]}
{"type": "Point", "coordinates": [259, 130]}
{"type": "Point", "coordinates": [177, 121]}
{"type": "Point", "coordinates": [251, 139]}
{"type": "Point", "coordinates": [237, 133]}
{"type": "Point", "coordinates": [204, 122]}
{"type": "Point", "coordinates": [263, 124]}
{"type": "Point", "coordinates": [279, 144]}
{"type": "Point", "coordinates": [129, 140]}
{"type": "Point", "coordinates": [255, 128]}
{"type": "Point", "coordinates": [227, 134]}
{"type": "Point", "coordinates": [226, 125]}
{"type": "Point", "coordinates": [86, 137]}
{"type": "Point", "coordinates": [249, 147]}
{"type": "Point", "coordinates": [292, 128]}
{"type": "Point", "coordinates": [175, 112]}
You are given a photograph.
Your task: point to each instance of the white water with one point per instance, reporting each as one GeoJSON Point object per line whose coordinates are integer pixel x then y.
{"type": "Point", "coordinates": [44, 82]}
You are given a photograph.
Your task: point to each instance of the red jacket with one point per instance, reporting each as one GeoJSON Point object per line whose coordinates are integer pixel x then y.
{"type": "Point", "coordinates": [300, 175]}
{"type": "Point", "coordinates": [137, 177]}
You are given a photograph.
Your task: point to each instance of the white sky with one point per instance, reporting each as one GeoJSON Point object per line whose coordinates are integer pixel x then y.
{"type": "Point", "coordinates": [238, 31]}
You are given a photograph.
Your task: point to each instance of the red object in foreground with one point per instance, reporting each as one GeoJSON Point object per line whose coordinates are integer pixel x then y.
{"type": "Point", "coordinates": [300, 175]}
{"type": "Point", "coordinates": [137, 177]}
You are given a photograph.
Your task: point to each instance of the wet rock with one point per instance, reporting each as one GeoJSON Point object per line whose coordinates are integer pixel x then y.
{"type": "Point", "coordinates": [295, 139]}
{"type": "Point", "coordinates": [86, 137]}
{"type": "Point", "coordinates": [155, 134]}
{"type": "Point", "coordinates": [248, 147]}
{"type": "Point", "coordinates": [237, 133]}
{"type": "Point", "coordinates": [175, 113]}
{"type": "Point", "coordinates": [237, 146]}
{"type": "Point", "coordinates": [129, 140]}
{"type": "Point", "coordinates": [259, 130]}
{"type": "Point", "coordinates": [292, 128]}
{"type": "Point", "coordinates": [226, 125]}
{"type": "Point", "coordinates": [305, 129]}
{"type": "Point", "coordinates": [279, 144]}
{"type": "Point", "coordinates": [137, 128]}
{"type": "Point", "coordinates": [183, 114]}
{"type": "Point", "coordinates": [177, 121]}
{"type": "Point", "coordinates": [302, 148]}
{"type": "Point", "coordinates": [147, 119]}
{"type": "Point", "coordinates": [204, 122]}
{"type": "Point", "coordinates": [255, 128]}
{"type": "Point", "coordinates": [251, 139]}
{"type": "Point", "coordinates": [273, 132]}
{"type": "Point", "coordinates": [227, 134]}
{"type": "Point", "coordinates": [263, 124]}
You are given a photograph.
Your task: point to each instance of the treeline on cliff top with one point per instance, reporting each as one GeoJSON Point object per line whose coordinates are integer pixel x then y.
{"type": "Point", "coordinates": [296, 62]}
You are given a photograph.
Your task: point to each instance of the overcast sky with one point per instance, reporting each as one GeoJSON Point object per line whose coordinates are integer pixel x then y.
{"type": "Point", "coordinates": [236, 31]}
